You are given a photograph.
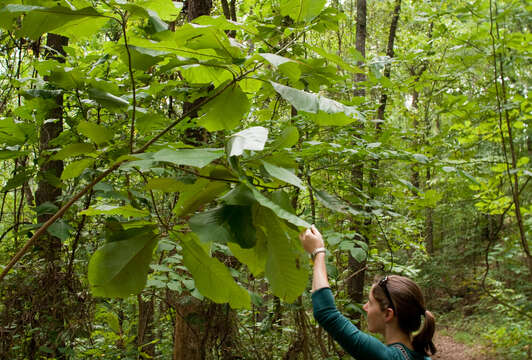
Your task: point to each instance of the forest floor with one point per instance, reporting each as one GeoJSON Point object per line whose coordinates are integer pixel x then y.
{"type": "Point", "coordinates": [450, 349]}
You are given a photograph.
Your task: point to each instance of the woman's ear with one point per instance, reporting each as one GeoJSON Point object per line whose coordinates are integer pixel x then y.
{"type": "Point", "coordinates": [389, 315]}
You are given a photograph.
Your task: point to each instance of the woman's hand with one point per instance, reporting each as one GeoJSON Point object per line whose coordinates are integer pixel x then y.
{"type": "Point", "coordinates": [311, 239]}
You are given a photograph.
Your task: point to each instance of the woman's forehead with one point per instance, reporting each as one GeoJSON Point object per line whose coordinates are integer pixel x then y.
{"type": "Point", "coordinates": [371, 297]}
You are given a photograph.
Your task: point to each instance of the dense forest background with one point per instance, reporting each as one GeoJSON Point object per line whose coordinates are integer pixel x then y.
{"type": "Point", "coordinates": [159, 159]}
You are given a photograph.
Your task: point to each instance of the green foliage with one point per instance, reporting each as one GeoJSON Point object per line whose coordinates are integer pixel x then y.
{"type": "Point", "coordinates": [119, 268]}
{"type": "Point", "coordinates": [211, 277]}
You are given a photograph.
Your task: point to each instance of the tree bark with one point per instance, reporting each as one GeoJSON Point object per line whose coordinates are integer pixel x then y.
{"type": "Point", "coordinates": [51, 169]}
{"type": "Point", "coordinates": [145, 334]}
{"type": "Point", "coordinates": [384, 96]}
{"type": "Point", "coordinates": [50, 307]}
{"type": "Point", "coordinates": [355, 283]}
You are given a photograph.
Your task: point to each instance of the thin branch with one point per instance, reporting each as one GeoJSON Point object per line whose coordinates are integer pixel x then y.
{"type": "Point", "coordinates": [153, 201]}
{"type": "Point", "coordinates": [123, 24]}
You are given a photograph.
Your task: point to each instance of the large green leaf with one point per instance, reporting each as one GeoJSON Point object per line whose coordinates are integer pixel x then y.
{"type": "Point", "coordinates": [190, 157]}
{"type": "Point", "coordinates": [167, 10]}
{"type": "Point", "coordinates": [335, 59]}
{"type": "Point", "coordinates": [209, 226]}
{"type": "Point", "coordinates": [141, 58]}
{"type": "Point", "coordinates": [120, 268]}
{"type": "Point", "coordinates": [302, 10]}
{"type": "Point", "coordinates": [278, 209]}
{"type": "Point", "coordinates": [283, 174]}
{"type": "Point", "coordinates": [288, 138]}
{"type": "Point", "coordinates": [73, 150]}
{"type": "Point", "coordinates": [254, 258]}
{"type": "Point", "coordinates": [321, 109]}
{"type": "Point", "coordinates": [108, 100]}
{"type": "Point", "coordinates": [126, 211]}
{"type": "Point", "coordinates": [287, 264]}
{"type": "Point", "coordinates": [11, 154]}
{"type": "Point", "coordinates": [75, 168]}
{"type": "Point", "coordinates": [60, 230]}
{"type": "Point", "coordinates": [12, 133]}
{"type": "Point", "coordinates": [18, 180]}
{"type": "Point", "coordinates": [97, 133]}
{"type": "Point", "coordinates": [211, 277]}
{"type": "Point", "coordinates": [332, 202]}
{"type": "Point", "coordinates": [206, 74]}
{"type": "Point", "coordinates": [217, 115]}
{"type": "Point", "coordinates": [193, 196]}
{"type": "Point", "coordinates": [252, 138]}
{"type": "Point", "coordinates": [287, 66]}
{"type": "Point", "coordinates": [74, 24]}
{"type": "Point", "coordinates": [226, 223]}
{"type": "Point", "coordinates": [165, 184]}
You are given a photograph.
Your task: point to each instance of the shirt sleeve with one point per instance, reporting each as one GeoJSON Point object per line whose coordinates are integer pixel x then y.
{"type": "Point", "coordinates": [357, 343]}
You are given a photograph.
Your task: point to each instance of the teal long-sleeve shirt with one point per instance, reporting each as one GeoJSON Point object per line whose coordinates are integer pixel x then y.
{"type": "Point", "coordinates": [357, 343]}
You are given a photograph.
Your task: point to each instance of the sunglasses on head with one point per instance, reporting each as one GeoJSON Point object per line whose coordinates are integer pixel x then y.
{"type": "Point", "coordinates": [382, 284]}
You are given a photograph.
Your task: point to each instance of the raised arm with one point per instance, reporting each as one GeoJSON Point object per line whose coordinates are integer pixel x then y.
{"type": "Point", "coordinates": [358, 344]}
{"type": "Point", "coordinates": [312, 240]}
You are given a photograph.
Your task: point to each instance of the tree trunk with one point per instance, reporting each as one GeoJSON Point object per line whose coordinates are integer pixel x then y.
{"type": "Point", "coordinates": [187, 342]}
{"type": "Point", "coordinates": [51, 169]}
{"type": "Point", "coordinates": [355, 283]}
{"type": "Point", "coordinates": [145, 334]}
{"type": "Point", "coordinates": [50, 308]}
{"type": "Point", "coordinates": [384, 96]}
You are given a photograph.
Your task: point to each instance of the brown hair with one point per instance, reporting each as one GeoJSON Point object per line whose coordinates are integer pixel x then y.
{"type": "Point", "coordinates": [409, 306]}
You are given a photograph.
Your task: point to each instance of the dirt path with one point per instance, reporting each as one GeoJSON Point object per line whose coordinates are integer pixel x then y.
{"type": "Point", "coordinates": [450, 349]}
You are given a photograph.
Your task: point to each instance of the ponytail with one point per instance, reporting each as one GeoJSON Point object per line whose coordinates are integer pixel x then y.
{"type": "Point", "coordinates": [422, 341]}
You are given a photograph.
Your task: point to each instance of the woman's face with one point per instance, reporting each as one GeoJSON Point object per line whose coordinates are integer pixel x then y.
{"type": "Point", "coordinates": [376, 317]}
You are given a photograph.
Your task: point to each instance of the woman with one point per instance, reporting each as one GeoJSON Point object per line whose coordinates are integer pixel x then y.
{"type": "Point", "coordinates": [394, 309]}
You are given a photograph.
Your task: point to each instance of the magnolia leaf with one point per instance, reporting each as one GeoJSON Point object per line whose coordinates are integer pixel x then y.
{"type": "Point", "coordinates": [193, 196]}
{"type": "Point", "coordinates": [209, 226]}
{"type": "Point", "coordinates": [217, 115]}
{"type": "Point", "coordinates": [288, 138]}
{"type": "Point", "coordinates": [75, 168]}
{"type": "Point", "coordinates": [286, 264]}
{"type": "Point", "coordinates": [321, 109]}
{"type": "Point", "coordinates": [332, 202]}
{"type": "Point", "coordinates": [211, 277]}
{"type": "Point", "coordinates": [107, 99]}
{"type": "Point", "coordinates": [278, 209]}
{"type": "Point", "coordinates": [60, 230]}
{"type": "Point", "coordinates": [224, 224]}
{"type": "Point", "coordinates": [189, 157]}
{"type": "Point", "coordinates": [167, 10]}
{"type": "Point", "coordinates": [126, 211]}
{"type": "Point", "coordinates": [302, 10]}
{"type": "Point", "coordinates": [73, 150]}
{"type": "Point", "coordinates": [11, 154]}
{"type": "Point", "coordinates": [74, 24]}
{"type": "Point", "coordinates": [287, 66]}
{"type": "Point", "coordinates": [165, 184]}
{"type": "Point", "coordinates": [254, 258]}
{"type": "Point", "coordinates": [18, 180]}
{"type": "Point", "coordinates": [252, 138]}
{"type": "Point", "coordinates": [120, 268]}
{"type": "Point", "coordinates": [283, 174]}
